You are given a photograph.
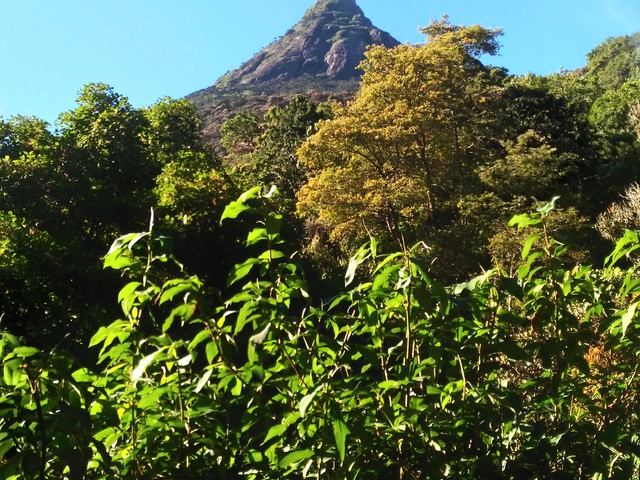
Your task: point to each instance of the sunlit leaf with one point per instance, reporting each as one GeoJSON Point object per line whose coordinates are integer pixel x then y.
{"type": "Point", "coordinates": [295, 457]}
{"type": "Point", "coordinates": [340, 432]}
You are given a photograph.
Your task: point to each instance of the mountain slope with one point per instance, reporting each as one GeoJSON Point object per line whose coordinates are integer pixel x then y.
{"type": "Point", "coordinates": [318, 56]}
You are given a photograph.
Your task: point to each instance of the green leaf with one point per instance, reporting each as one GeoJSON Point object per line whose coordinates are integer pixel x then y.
{"type": "Point", "coordinates": [12, 372]}
{"type": "Point", "coordinates": [275, 431]}
{"type": "Point", "coordinates": [525, 220]}
{"type": "Point", "coordinates": [233, 209]}
{"type": "Point", "coordinates": [25, 352]}
{"type": "Point", "coordinates": [306, 401]}
{"type": "Point", "coordinates": [391, 384]}
{"type": "Point", "coordinates": [128, 290]}
{"type": "Point", "coordinates": [246, 316]}
{"type": "Point", "coordinates": [256, 235]}
{"type": "Point", "coordinates": [627, 244]}
{"type": "Point", "coordinates": [238, 272]}
{"type": "Point", "coordinates": [12, 340]}
{"type": "Point", "coordinates": [382, 279]}
{"type": "Point", "coordinates": [198, 339]}
{"type": "Point", "coordinates": [185, 312]}
{"type": "Point", "coordinates": [151, 398]}
{"type": "Point", "coordinates": [272, 255]}
{"type": "Point", "coordinates": [211, 351]}
{"type": "Point", "coordinates": [170, 293]}
{"type": "Point", "coordinates": [83, 375]}
{"type": "Point", "coordinates": [340, 432]}
{"type": "Point", "coordinates": [255, 192]}
{"type": "Point", "coordinates": [273, 223]}
{"type": "Point", "coordinates": [119, 255]}
{"type": "Point", "coordinates": [137, 372]}
{"type": "Point", "coordinates": [531, 239]}
{"type": "Point", "coordinates": [628, 316]}
{"type": "Point", "coordinates": [237, 388]}
{"type": "Point", "coordinates": [295, 457]}
{"type": "Point", "coordinates": [374, 246]}
{"type": "Point", "coordinates": [204, 380]}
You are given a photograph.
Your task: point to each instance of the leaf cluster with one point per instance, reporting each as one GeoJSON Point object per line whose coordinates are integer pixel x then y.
{"type": "Point", "coordinates": [526, 376]}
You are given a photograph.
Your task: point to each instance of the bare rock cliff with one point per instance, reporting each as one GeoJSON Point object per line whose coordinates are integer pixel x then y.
{"type": "Point", "coordinates": [330, 39]}
{"type": "Point", "coordinates": [318, 57]}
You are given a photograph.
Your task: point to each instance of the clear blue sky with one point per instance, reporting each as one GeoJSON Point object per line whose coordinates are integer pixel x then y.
{"type": "Point", "coordinates": [147, 49]}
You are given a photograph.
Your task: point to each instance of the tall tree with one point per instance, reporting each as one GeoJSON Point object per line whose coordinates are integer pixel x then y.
{"type": "Point", "coordinates": [110, 176]}
{"type": "Point", "coordinates": [396, 160]}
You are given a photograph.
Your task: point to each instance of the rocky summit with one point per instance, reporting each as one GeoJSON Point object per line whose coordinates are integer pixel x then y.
{"type": "Point", "coordinates": [318, 56]}
{"type": "Point", "coordinates": [330, 40]}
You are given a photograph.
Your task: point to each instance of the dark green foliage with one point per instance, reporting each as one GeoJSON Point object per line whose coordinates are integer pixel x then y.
{"type": "Point", "coordinates": [265, 152]}
{"type": "Point", "coordinates": [273, 156]}
{"type": "Point", "coordinates": [66, 193]}
{"type": "Point", "coordinates": [30, 269]}
{"type": "Point", "coordinates": [104, 158]}
{"type": "Point", "coordinates": [240, 134]}
{"type": "Point", "coordinates": [399, 376]}
{"type": "Point", "coordinates": [22, 135]}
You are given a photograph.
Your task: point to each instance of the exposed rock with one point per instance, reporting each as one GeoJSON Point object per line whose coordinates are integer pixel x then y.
{"type": "Point", "coordinates": [330, 39]}
{"type": "Point", "coordinates": [318, 56]}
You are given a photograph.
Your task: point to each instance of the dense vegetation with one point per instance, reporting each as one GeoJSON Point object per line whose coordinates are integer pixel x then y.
{"type": "Point", "coordinates": [287, 367]}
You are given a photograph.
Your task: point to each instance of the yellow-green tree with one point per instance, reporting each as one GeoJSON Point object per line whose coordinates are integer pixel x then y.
{"type": "Point", "coordinates": [396, 160]}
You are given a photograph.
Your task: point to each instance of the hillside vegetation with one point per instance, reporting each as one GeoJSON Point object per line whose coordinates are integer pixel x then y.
{"type": "Point", "coordinates": [435, 279]}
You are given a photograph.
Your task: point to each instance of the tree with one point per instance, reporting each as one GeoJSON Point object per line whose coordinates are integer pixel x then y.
{"type": "Point", "coordinates": [21, 135]}
{"type": "Point", "coordinates": [395, 161]}
{"type": "Point", "coordinates": [110, 177]}
{"type": "Point", "coordinates": [616, 143]}
{"type": "Point", "coordinates": [173, 126]}
{"type": "Point", "coordinates": [239, 135]}
{"type": "Point", "coordinates": [530, 168]}
{"type": "Point", "coordinates": [614, 62]}
{"type": "Point", "coordinates": [274, 157]}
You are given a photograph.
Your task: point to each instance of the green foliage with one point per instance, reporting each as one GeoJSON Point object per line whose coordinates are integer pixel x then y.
{"type": "Point", "coordinates": [531, 167]}
{"type": "Point", "coordinates": [191, 189]}
{"type": "Point", "coordinates": [29, 269]}
{"type": "Point", "coordinates": [265, 152]}
{"type": "Point", "coordinates": [239, 134]}
{"type": "Point", "coordinates": [21, 135]}
{"type": "Point", "coordinates": [395, 162]}
{"type": "Point", "coordinates": [614, 62]}
{"type": "Point", "coordinates": [610, 112]}
{"type": "Point", "coordinates": [530, 376]}
{"type": "Point", "coordinates": [66, 193]}
{"type": "Point", "coordinates": [45, 403]}
{"type": "Point", "coordinates": [173, 126]}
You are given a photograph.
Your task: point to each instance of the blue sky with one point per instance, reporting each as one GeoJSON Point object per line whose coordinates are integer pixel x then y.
{"type": "Point", "coordinates": [147, 49]}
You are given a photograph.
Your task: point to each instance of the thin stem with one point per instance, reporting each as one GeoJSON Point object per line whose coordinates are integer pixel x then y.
{"type": "Point", "coordinates": [184, 446]}
{"type": "Point", "coordinates": [35, 391]}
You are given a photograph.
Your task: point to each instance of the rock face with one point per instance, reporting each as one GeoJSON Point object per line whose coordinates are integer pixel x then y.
{"type": "Point", "coordinates": [318, 57]}
{"type": "Point", "coordinates": [330, 39]}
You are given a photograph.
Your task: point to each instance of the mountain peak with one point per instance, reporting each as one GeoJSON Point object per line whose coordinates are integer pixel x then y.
{"type": "Point", "coordinates": [329, 40]}
{"type": "Point", "coordinates": [317, 57]}
{"type": "Point", "coordinates": [335, 5]}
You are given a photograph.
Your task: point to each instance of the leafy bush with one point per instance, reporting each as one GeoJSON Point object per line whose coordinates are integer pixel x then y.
{"type": "Point", "coordinates": [533, 376]}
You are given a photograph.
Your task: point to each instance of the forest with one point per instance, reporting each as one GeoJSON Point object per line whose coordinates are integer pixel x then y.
{"type": "Point", "coordinates": [436, 279]}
